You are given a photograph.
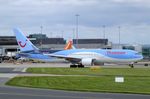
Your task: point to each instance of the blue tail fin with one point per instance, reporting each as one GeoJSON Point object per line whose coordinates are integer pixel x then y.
{"type": "Point", "coordinates": [23, 42]}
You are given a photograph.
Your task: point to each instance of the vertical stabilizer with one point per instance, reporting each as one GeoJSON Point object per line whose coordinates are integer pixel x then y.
{"type": "Point", "coordinates": [69, 45]}
{"type": "Point", "coordinates": [23, 42]}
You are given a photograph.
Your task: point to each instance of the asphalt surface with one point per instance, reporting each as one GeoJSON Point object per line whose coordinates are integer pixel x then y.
{"type": "Point", "coordinates": [31, 93]}
{"type": "Point", "coordinates": [8, 71]}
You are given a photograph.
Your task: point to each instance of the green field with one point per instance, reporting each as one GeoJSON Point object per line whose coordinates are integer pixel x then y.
{"type": "Point", "coordinates": [98, 72]}
{"type": "Point", "coordinates": [137, 80]}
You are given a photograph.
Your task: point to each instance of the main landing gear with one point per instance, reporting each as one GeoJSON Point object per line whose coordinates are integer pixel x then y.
{"type": "Point", "coordinates": [131, 65]}
{"type": "Point", "coordinates": [76, 65]}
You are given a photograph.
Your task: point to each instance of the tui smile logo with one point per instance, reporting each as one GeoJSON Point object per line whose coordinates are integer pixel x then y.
{"type": "Point", "coordinates": [22, 45]}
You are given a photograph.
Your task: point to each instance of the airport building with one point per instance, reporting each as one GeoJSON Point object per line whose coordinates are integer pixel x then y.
{"type": "Point", "coordinates": [135, 47]}
{"type": "Point", "coordinates": [43, 42]}
{"type": "Point", "coordinates": [8, 46]}
{"type": "Point", "coordinates": [146, 51]}
{"type": "Point", "coordinates": [92, 43]}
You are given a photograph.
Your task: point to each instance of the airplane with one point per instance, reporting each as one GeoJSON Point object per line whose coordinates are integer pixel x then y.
{"type": "Point", "coordinates": [78, 57]}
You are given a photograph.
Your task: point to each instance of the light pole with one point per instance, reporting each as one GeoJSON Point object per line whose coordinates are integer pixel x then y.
{"type": "Point", "coordinates": [104, 31]}
{"type": "Point", "coordinates": [51, 34]}
{"type": "Point", "coordinates": [73, 31]}
{"type": "Point", "coordinates": [41, 35]}
{"type": "Point", "coordinates": [77, 15]}
{"type": "Point", "coordinates": [119, 34]}
{"type": "Point", "coordinates": [41, 29]}
{"type": "Point", "coordinates": [62, 32]}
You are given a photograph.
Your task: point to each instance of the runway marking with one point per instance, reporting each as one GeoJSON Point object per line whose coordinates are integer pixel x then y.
{"type": "Point", "coordinates": [24, 70]}
{"type": "Point", "coordinates": [19, 69]}
{"type": "Point", "coordinates": [7, 75]}
{"type": "Point", "coordinates": [50, 96]}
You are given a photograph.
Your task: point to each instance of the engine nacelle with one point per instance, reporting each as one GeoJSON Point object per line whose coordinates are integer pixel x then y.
{"type": "Point", "coordinates": [87, 61]}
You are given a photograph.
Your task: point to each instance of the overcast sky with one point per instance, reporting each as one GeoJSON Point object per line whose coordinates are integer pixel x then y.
{"type": "Point", "coordinates": [58, 18]}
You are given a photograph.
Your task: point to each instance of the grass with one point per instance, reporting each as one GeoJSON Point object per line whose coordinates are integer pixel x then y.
{"type": "Point", "coordinates": [86, 83]}
{"type": "Point", "coordinates": [98, 72]}
{"type": "Point", "coordinates": [137, 80]}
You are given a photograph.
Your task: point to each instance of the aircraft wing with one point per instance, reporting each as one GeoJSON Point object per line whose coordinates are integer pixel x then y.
{"type": "Point", "coordinates": [23, 54]}
{"type": "Point", "coordinates": [72, 59]}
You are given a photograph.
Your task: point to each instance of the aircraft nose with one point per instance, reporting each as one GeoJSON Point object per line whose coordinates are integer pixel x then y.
{"type": "Point", "coordinates": [139, 56]}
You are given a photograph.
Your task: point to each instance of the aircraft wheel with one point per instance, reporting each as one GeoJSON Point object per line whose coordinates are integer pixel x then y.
{"type": "Point", "coordinates": [81, 66]}
{"type": "Point", "coordinates": [146, 64]}
{"type": "Point", "coordinates": [73, 66]}
{"type": "Point", "coordinates": [131, 65]}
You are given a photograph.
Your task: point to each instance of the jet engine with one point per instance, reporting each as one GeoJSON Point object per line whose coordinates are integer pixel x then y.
{"type": "Point", "coordinates": [87, 61]}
